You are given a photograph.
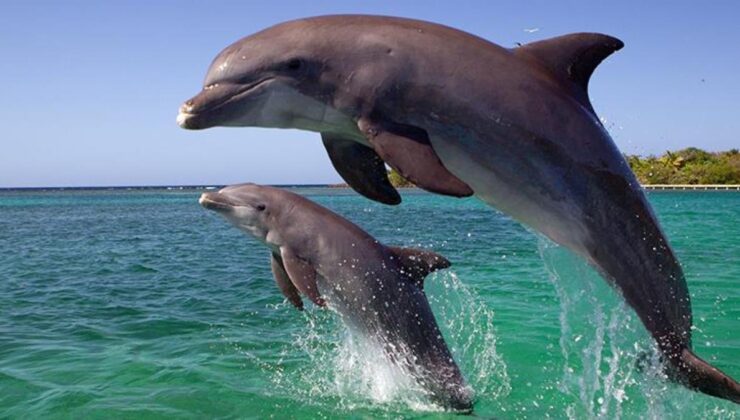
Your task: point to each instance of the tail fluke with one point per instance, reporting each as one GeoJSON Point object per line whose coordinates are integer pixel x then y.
{"type": "Point", "coordinates": [699, 375]}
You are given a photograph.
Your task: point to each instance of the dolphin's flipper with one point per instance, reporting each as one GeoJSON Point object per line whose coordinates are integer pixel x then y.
{"type": "Point", "coordinates": [361, 168]}
{"type": "Point", "coordinates": [407, 150]}
{"type": "Point", "coordinates": [283, 281]}
{"type": "Point", "coordinates": [302, 275]}
{"type": "Point", "coordinates": [418, 263]}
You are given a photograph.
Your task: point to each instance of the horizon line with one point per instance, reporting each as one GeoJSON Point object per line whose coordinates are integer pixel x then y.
{"type": "Point", "coordinates": [152, 186]}
{"type": "Point", "coordinates": [653, 187]}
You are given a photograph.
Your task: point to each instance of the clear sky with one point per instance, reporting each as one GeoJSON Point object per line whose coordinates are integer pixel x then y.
{"type": "Point", "coordinates": [91, 89]}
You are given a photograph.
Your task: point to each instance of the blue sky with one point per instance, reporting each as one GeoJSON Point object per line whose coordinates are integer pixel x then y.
{"type": "Point", "coordinates": [91, 89]}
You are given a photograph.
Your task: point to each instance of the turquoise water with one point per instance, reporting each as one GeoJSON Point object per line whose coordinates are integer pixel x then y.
{"type": "Point", "coordinates": [140, 304]}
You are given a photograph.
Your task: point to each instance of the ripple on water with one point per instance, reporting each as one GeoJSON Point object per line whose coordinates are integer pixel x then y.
{"type": "Point", "coordinates": [142, 304]}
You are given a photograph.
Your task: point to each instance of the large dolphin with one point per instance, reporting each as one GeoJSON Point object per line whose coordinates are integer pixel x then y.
{"type": "Point", "coordinates": [375, 288]}
{"type": "Point", "coordinates": [459, 115]}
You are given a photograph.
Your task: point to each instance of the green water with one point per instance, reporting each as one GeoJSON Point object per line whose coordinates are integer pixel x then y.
{"type": "Point", "coordinates": [140, 304]}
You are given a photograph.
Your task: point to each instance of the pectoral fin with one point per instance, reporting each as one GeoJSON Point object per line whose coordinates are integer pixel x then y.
{"type": "Point", "coordinates": [361, 168]}
{"type": "Point", "coordinates": [407, 150]}
{"type": "Point", "coordinates": [302, 275]}
{"type": "Point", "coordinates": [284, 283]}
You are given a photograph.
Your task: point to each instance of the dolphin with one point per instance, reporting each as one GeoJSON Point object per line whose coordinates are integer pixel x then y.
{"type": "Point", "coordinates": [459, 115]}
{"type": "Point", "coordinates": [377, 289]}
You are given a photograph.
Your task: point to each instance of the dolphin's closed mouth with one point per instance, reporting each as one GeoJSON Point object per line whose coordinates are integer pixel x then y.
{"type": "Point", "coordinates": [189, 109]}
{"type": "Point", "coordinates": [215, 201]}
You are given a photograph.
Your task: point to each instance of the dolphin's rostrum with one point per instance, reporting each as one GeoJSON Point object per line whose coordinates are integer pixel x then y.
{"type": "Point", "coordinates": [459, 115]}
{"type": "Point", "coordinates": [378, 290]}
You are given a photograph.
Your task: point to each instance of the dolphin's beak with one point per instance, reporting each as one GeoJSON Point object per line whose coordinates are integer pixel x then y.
{"type": "Point", "coordinates": [213, 106]}
{"type": "Point", "coordinates": [196, 112]}
{"type": "Point", "coordinates": [189, 116]}
{"type": "Point", "coordinates": [215, 201]}
{"type": "Point", "coordinates": [184, 118]}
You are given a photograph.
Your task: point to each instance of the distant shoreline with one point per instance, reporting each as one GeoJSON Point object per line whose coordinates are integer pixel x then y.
{"type": "Point", "coordinates": [151, 187]}
{"type": "Point", "coordinates": [695, 187]}
{"type": "Point", "coordinates": [650, 187]}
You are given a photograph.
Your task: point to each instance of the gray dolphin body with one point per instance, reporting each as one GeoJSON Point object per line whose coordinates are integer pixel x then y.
{"type": "Point", "coordinates": [459, 115]}
{"type": "Point", "coordinates": [376, 289]}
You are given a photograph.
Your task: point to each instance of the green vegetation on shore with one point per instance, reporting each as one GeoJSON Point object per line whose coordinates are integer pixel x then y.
{"type": "Point", "coordinates": [687, 166]}
{"type": "Point", "coordinates": [398, 181]}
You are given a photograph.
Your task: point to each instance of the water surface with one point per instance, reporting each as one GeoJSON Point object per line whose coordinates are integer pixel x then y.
{"type": "Point", "coordinates": [142, 304]}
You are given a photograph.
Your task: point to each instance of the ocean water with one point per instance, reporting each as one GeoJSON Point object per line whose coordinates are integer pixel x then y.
{"type": "Point", "coordinates": [141, 304]}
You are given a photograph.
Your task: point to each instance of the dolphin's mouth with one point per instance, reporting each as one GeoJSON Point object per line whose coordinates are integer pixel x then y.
{"type": "Point", "coordinates": [215, 201]}
{"type": "Point", "coordinates": [208, 101]}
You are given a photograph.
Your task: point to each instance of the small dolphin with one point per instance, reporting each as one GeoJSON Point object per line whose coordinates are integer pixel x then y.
{"type": "Point", "coordinates": [458, 115]}
{"type": "Point", "coordinates": [375, 288]}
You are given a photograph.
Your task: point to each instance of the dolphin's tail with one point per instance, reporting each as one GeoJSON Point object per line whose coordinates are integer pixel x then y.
{"type": "Point", "coordinates": [630, 250]}
{"type": "Point", "coordinates": [699, 375]}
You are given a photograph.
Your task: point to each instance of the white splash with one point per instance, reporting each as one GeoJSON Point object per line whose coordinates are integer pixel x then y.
{"type": "Point", "coordinates": [466, 322]}
{"type": "Point", "coordinates": [355, 372]}
{"type": "Point", "coordinates": [602, 343]}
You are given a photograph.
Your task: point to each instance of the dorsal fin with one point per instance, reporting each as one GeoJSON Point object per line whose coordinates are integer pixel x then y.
{"type": "Point", "coordinates": [416, 264]}
{"type": "Point", "coordinates": [572, 58]}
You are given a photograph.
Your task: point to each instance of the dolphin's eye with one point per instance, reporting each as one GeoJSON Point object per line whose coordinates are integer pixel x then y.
{"type": "Point", "coordinates": [295, 64]}
{"type": "Point", "coordinates": [260, 207]}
